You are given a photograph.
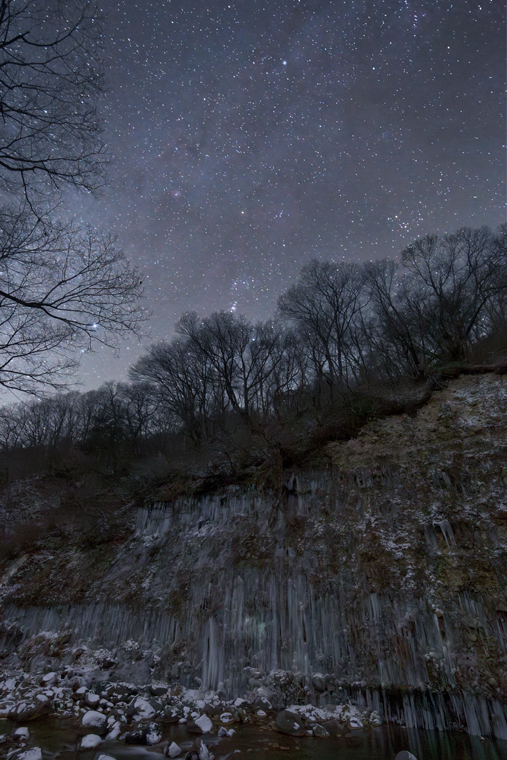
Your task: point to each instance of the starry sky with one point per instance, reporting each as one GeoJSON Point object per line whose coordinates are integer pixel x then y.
{"type": "Point", "coordinates": [249, 136]}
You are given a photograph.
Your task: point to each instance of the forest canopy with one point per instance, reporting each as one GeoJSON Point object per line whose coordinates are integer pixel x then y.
{"type": "Point", "coordinates": [340, 328]}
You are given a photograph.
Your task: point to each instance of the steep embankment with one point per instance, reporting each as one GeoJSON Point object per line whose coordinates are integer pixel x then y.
{"type": "Point", "coordinates": [383, 572]}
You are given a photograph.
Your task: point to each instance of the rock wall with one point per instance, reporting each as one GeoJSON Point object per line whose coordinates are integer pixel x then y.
{"type": "Point", "coordinates": [380, 576]}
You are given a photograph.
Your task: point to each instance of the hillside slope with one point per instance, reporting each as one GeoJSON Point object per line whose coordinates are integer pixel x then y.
{"type": "Point", "coordinates": [381, 575]}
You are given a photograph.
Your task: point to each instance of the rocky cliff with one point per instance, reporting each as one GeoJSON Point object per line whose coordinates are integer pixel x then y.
{"type": "Point", "coordinates": [380, 575]}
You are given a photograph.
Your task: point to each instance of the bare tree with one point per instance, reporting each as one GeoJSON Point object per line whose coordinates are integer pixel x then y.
{"type": "Point", "coordinates": [180, 380]}
{"type": "Point", "coordinates": [451, 294]}
{"type": "Point", "coordinates": [62, 290]}
{"type": "Point", "coordinates": [454, 278]}
{"type": "Point", "coordinates": [396, 345]}
{"type": "Point", "coordinates": [50, 77]}
{"type": "Point", "coordinates": [243, 356]}
{"type": "Point", "coordinates": [325, 305]}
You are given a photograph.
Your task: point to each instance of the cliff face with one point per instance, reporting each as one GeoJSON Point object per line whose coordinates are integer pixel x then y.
{"type": "Point", "coordinates": [381, 574]}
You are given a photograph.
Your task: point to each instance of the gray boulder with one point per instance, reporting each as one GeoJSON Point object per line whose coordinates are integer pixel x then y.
{"type": "Point", "coordinates": [405, 755]}
{"type": "Point", "coordinates": [320, 731]}
{"type": "Point", "coordinates": [263, 703]}
{"type": "Point", "coordinates": [146, 736]}
{"type": "Point", "coordinates": [34, 753]}
{"type": "Point", "coordinates": [31, 709]}
{"type": "Point", "coordinates": [94, 719]}
{"type": "Point", "coordinates": [319, 682]}
{"type": "Point", "coordinates": [290, 723]}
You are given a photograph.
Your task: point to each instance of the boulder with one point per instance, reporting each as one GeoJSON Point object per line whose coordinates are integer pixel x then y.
{"type": "Point", "coordinates": [94, 719]}
{"type": "Point", "coordinates": [263, 703]}
{"type": "Point", "coordinates": [320, 731]}
{"type": "Point", "coordinates": [114, 731]}
{"type": "Point", "coordinates": [34, 753]}
{"type": "Point", "coordinates": [374, 719]}
{"type": "Point", "coordinates": [136, 737]}
{"type": "Point", "coordinates": [21, 734]}
{"type": "Point", "coordinates": [405, 755]}
{"type": "Point", "coordinates": [142, 708]}
{"type": "Point", "coordinates": [201, 749]}
{"type": "Point", "coordinates": [29, 710]}
{"type": "Point", "coordinates": [146, 736]}
{"type": "Point", "coordinates": [222, 731]}
{"type": "Point", "coordinates": [319, 682]}
{"type": "Point", "coordinates": [153, 734]}
{"type": "Point", "coordinates": [158, 691]}
{"type": "Point", "coordinates": [201, 725]}
{"type": "Point", "coordinates": [171, 714]}
{"type": "Point", "coordinates": [90, 741]}
{"type": "Point", "coordinates": [290, 723]}
{"type": "Point", "coordinates": [91, 699]}
{"type": "Point", "coordinates": [172, 750]}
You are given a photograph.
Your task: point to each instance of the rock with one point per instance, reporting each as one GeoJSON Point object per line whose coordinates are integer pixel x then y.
{"type": "Point", "coordinates": [90, 741]}
{"type": "Point", "coordinates": [202, 750]}
{"type": "Point", "coordinates": [405, 755]}
{"type": "Point", "coordinates": [21, 734]}
{"type": "Point", "coordinates": [114, 732]}
{"type": "Point", "coordinates": [136, 737]}
{"type": "Point", "coordinates": [374, 719]}
{"type": "Point", "coordinates": [105, 757]}
{"type": "Point", "coordinates": [204, 723]}
{"type": "Point", "coordinates": [222, 731]}
{"type": "Point", "coordinates": [153, 734]}
{"type": "Point", "coordinates": [263, 703]}
{"type": "Point", "coordinates": [40, 705]}
{"type": "Point", "coordinates": [143, 708]}
{"type": "Point", "coordinates": [171, 714]}
{"type": "Point", "coordinates": [192, 756]}
{"type": "Point", "coordinates": [290, 723]}
{"type": "Point", "coordinates": [227, 717]}
{"type": "Point", "coordinates": [34, 753]}
{"type": "Point", "coordinates": [172, 750]}
{"type": "Point", "coordinates": [320, 731]}
{"type": "Point", "coordinates": [319, 682]}
{"type": "Point", "coordinates": [94, 719]}
{"type": "Point", "coordinates": [158, 691]}
{"type": "Point", "coordinates": [148, 735]}
{"type": "Point", "coordinates": [49, 679]}
{"type": "Point", "coordinates": [355, 723]}
{"type": "Point", "coordinates": [91, 699]}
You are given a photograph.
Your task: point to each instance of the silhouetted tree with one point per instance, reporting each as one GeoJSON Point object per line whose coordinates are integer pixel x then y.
{"type": "Point", "coordinates": [62, 289]}
{"type": "Point", "coordinates": [50, 77]}
{"type": "Point", "coordinates": [180, 380]}
{"type": "Point", "coordinates": [325, 304]}
{"type": "Point", "coordinates": [243, 357]}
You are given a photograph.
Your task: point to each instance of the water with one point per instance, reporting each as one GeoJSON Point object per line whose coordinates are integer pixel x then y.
{"type": "Point", "coordinates": [58, 739]}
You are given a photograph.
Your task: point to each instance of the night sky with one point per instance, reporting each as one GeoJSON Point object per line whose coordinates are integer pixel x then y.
{"type": "Point", "coordinates": [248, 137]}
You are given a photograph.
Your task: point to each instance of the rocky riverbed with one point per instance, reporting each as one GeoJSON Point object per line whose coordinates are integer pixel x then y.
{"type": "Point", "coordinates": [67, 714]}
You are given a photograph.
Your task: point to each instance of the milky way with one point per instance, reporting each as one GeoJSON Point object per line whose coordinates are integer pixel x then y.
{"type": "Point", "coordinates": [248, 137]}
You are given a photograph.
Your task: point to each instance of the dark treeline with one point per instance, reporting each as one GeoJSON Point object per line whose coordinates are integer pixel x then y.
{"type": "Point", "coordinates": [340, 327]}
